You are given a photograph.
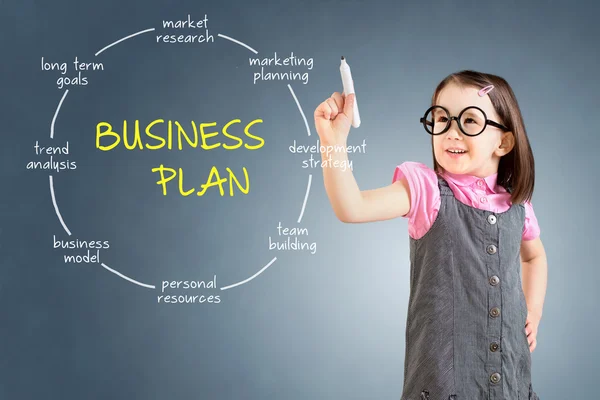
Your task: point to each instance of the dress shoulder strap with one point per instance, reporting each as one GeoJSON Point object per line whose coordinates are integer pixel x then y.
{"type": "Point", "coordinates": [444, 188]}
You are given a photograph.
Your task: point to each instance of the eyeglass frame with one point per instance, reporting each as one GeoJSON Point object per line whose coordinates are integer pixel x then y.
{"type": "Point", "coordinates": [495, 124]}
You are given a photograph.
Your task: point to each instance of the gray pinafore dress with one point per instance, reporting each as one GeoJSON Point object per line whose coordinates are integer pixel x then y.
{"type": "Point", "coordinates": [465, 331]}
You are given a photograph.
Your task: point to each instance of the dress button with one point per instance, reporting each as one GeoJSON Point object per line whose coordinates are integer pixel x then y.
{"type": "Point", "coordinates": [495, 377]}
{"type": "Point", "coordinates": [494, 346]}
{"type": "Point", "coordinates": [483, 199]}
{"type": "Point", "coordinates": [491, 219]}
{"type": "Point", "coordinates": [494, 280]}
{"type": "Point", "coordinates": [491, 249]}
{"type": "Point", "coordinates": [480, 182]}
{"type": "Point", "coordinates": [494, 312]}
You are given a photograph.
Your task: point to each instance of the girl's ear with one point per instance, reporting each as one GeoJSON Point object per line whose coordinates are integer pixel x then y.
{"type": "Point", "coordinates": [507, 143]}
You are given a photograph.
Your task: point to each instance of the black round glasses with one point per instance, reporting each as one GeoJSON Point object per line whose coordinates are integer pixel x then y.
{"type": "Point", "coordinates": [471, 121]}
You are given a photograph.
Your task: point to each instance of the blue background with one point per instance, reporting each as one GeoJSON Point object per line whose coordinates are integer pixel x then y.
{"type": "Point", "coordinates": [323, 326]}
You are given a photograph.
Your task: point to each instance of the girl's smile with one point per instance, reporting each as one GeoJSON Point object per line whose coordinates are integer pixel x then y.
{"type": "Point", "coordinates": [456, 152]}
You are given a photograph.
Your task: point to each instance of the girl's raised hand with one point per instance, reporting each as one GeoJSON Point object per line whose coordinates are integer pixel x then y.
{"type": "Point", "coordinates": [333, 118]}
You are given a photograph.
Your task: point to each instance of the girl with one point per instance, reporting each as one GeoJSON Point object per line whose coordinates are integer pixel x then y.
{"type": "Point", "coordinates": [471, 323]}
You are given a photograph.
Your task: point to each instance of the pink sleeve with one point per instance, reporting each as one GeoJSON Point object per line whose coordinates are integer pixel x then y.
{"type": "Point", "coordinates": [531, 230]}
{"type": "Point", "coordinates": [424, 196]}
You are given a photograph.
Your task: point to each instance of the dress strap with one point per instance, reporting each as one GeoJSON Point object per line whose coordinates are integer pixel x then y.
{"type": "Point", "coordinates": [444, 188]}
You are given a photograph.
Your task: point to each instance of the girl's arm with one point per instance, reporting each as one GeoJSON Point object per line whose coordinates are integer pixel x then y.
{"type": "Point", "coordinates": [352, 205]}
{"type": "Point", "coordinates": [332, 120]}
{"type": "Point", "coordinates": [535, 274]}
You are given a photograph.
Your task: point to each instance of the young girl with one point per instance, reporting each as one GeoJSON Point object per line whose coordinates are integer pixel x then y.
{"type": "Point", "coordinates": [472, 322]}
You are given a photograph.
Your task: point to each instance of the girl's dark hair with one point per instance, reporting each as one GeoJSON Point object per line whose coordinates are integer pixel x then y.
{"type": "Point", "coordinates": [516, 171]}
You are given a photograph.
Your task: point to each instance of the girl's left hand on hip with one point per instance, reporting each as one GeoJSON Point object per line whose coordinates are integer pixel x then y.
{"type": "Point", "coordinates": [531, 328]}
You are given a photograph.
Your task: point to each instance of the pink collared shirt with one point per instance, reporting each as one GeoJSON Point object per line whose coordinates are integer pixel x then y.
{"type": "Point", "coordinates": [482, 193]}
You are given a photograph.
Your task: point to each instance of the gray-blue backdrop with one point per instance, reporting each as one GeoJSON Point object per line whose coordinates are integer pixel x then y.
{"type": "Point", "coordinates": [328, 325]}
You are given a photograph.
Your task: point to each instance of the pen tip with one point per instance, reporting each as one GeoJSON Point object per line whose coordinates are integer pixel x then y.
{"type": "Point", "coordinates": [342, 57]}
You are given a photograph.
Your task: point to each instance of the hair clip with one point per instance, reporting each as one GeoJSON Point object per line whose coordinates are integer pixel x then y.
{"type": "Point", "coordinates": [485, 90]}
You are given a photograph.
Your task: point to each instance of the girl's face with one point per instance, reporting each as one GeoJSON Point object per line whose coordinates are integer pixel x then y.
{"type": "Point", "coordinates": [481, 153]}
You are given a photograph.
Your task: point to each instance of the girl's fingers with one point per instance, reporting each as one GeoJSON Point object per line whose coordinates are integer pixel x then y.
{"type": "Point", "coordinates": [323, 110]}
{"type": "Point", "coordinates": [339, 100]}
{"type": "Point", "coordinates": [532, 345]}
{"type": "Point", "coordinates": [334, 107]}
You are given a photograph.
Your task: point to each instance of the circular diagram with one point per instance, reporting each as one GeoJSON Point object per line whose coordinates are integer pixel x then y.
{"type": "Point", "coordinates": [232, 135]}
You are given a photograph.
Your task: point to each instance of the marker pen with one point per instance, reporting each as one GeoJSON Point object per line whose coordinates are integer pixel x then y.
{"type": "Point", "coordinates": [349, 88]}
